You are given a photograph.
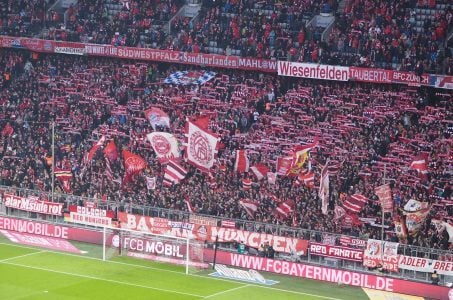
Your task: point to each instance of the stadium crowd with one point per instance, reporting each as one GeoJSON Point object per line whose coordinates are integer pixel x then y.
{"type": "Point", "coordinates": [406, 35]}
{"type": "Point", "coordinates": [367, 132]}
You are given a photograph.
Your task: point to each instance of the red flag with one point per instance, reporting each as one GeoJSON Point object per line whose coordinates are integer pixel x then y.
{"type": "Point", "coordinates": [284, 165]}
{"type": "Point", "coordinates": [89, 156]}
{"type": "Point", "coordinates": [133, 164]}
{"type": "Point", "coordinates": [64, 176]}
{"type": "Point", "coordinates": [355, 203]}
{"type": "Point", "coordinates": [285, 209]}
{"type": "Point", "coordinates": [8, 130]}
{"type": "Point", "coordinates": [384, 194]}
{"type": "Point", "coordinates": [241, 164]}
{"type": "Point", "coordinates": [246, 184]}
{"type": "Point", "coordinates": [202, 122]}
{"type": "Point", "coordinates": [307, 177]}
{"type": "Point", "coordinates": [420, 163]}
{"type": "Point", "coordinates": [110, 151]}
{"type": "Point", "coordinates": [190, 208]}
{"type": "Point", "coordinates": [339, 212]}
{"type": "Point", "coordinates": [260, 171]}
{"type": "Point", "coordinates": [250, 207]}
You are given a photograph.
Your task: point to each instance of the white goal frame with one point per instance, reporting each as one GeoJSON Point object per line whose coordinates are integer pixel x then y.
{"type": "Point", "coordinates": [185, 241]}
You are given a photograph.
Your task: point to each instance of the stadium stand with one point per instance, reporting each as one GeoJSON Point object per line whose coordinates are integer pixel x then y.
{"type": "Point", "coordinates": [366, 134]}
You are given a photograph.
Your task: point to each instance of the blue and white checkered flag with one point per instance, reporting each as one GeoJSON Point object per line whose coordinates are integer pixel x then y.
{"type": "Point", "coordinates": [189, 77]}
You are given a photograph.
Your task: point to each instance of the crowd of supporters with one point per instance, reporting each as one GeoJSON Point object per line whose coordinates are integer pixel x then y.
{"type": "Point", "coordinates": [360, 127]}
{"type": "Point", "coordinates": [406, 35]}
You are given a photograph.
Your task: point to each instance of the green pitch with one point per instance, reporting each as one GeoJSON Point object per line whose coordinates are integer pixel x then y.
{"type": "Point", "coordinates": [33, 273]}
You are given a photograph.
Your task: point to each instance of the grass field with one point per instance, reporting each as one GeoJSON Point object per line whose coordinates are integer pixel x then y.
{"type": "Point", "coordinates": [33, 273]}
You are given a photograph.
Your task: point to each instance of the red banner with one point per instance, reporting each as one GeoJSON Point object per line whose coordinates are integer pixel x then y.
{"type": "Point", "coordinates": [89, 216]}
{"type": "Point", "coordinates": [210, 233]}
{"type": "Point", "coordinates": [325, 72]}
{"type": "Point", "coordinates": [328, 274]}
{"type": "Point", "coordinates": [384, 194]}
{"type": "Point", "coordinates": [336, 252]}
{"type": "Point", "coordinates": [32, 204]}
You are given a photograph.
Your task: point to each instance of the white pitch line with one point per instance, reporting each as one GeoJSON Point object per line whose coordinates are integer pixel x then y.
{"type": "Point", "coordinates": [102, 279]}
{"type": "Point", "coordinates": [20, 256]}
{"type": "Point", "coordinates": [171, 271]}
{"type": "Point", "coordinates": [226, 291]}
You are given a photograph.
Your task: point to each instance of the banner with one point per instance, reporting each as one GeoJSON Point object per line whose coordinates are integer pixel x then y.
{"type": "Point", "coordinates": [349, 241]}
{"type": "Point", "coordinates": [32, 204]}
{"type": "Point", "coordinates": [384, 194]}
{"type": "Point", "coordinates": [421, 264]}
{"type": "Point", "coordinates": [210, 233]}
{"type": "Point", "coordinates": [381, 253]}
{"type": "Point", "coordinates": [314, 71]}
{"type": "Point", "coordinates": [324, 192]}
{"type": "Point", "coordinates": [283, 68]}
{"type": "Point", "coordinates": [89, 216]}
{"type": "Point", "coordinates": [328, 274]}
{"type": "Point", "coordinates": [336, 252]}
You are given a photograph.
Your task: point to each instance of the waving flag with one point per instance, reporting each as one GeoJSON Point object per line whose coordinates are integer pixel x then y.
{"type": "Point", "coordinates": [355, 203]}
{"type": "Point", "coordinates": [190, 208]}
{"type": "Point", "coordinates": [284, 165]}
{"type": "Point", "coordinates": [241, 164]}
{"type": "Point", "coordinates": [189, 77]}
{"type": "Point", "coordinates": [64, 176]}
{"type": "Point", "coordinates": [415, 220]}
{"type": "Point", "coordinates": [157, 117]}
{"type": "Point", "coordinates": [300, 155]}
{"type": "Point", "coordinates": [165, 145]}
{"type": "Point", "coordinates": [420, 163]}
{"type": "Point", "coordinates": [271, 177]}
{"type": "Point", "coordinates": [384, 194]}
{"type": "Point", "coordinates": [250, 207]}
{"type": "Point", "coordinates": [7, 130]}
{"type": "Point", "coordinates": [246, 184]}
{"type": "Point", "coordinates": [201, 146]}
{"type": "Point", "coordinates": [285, 209]}
{"type": "Point", "coordinates": [133, 164]}
{"type": "Point", "coordinates": [324, 192]}
{"type": "Point", "coordinates": [259, 170]}
{"type": "Point", "coordinates": [174, 173]}
{"type": "Point", "coordinates": [110, 151]}
{"type": "Point", "coordinates": [307, 177]}
{"type": "Point", "coordinates": [89, 156]}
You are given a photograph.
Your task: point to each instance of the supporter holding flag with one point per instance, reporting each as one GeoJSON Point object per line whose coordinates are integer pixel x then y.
{"type": "Point", "coordinates": [241, 164]}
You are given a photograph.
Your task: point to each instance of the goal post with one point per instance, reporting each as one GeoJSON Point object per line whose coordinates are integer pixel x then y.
{"type": "Point", "coordinates": [184, 251]}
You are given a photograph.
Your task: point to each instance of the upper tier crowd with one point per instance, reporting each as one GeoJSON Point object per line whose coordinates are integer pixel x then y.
{"type": "Point", "coordinates": [407, 35]}
{"type": "Point", "coordinates": [368, 131]}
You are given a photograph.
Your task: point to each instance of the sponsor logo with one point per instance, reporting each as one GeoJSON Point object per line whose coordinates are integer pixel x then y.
{"type": "Point", "coordinates": [242, 275]}
{"type": "Point", "coordinates": [70, 50]}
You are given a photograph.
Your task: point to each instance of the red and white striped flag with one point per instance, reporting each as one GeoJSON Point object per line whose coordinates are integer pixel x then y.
{"type": "Point", "coordinates": [190, 208]}
{"type": "Point", "coordinates": [420, 163]}
{"type": "Point", "coordinates": [324, 192]}
{"type": "Point", "coordinates": [285, 209]}
{"type": "Point", "coordinates": [241, 164]}
{"type": "Point", "coordinates": [174, 173]}
{"type": "Point", "coordinates": [108, 169]}
{"type": "Point", "coordinates": [259, 170]}
{"type": "Point", "coordinates": [250, 207]}
{"type": "Point", "coordinates": [307, 177]}
{"type": "Point", "coordinates": [355, 203]}
{"type": "Point", "coordinates": [271, 177]}
{"type": "Point", "coordinates": [246, 184]}
{"type": "Point", "coordinates": [89, 156]}
{"type": "Point", "coordinates": [228, 224]}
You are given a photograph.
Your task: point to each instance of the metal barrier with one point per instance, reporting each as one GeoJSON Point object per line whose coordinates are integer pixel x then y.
{"type": "Point", "coordinates": [176, 215]}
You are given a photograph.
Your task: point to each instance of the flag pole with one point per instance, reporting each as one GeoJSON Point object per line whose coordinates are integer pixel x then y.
{"type": "Point", "coordinates": [53, 159]}
{"type": "Point", "coordinates": [382, 205]}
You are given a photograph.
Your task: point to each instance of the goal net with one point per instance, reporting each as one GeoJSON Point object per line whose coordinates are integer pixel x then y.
{"type": "Point", "coordinates": [161, 248]}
